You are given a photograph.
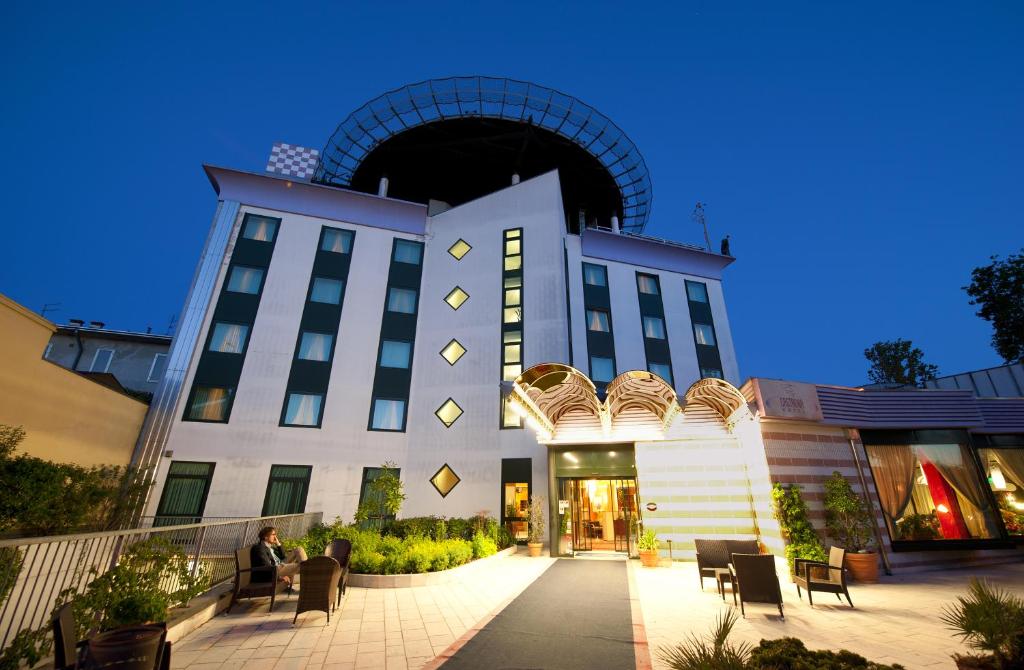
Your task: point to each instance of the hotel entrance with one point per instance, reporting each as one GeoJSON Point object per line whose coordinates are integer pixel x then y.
{"type": "Point", "coordinates": [595, 503]}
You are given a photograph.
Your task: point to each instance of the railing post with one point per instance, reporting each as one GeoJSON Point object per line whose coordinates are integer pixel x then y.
{"type": "Point", "coordinates": [199, 550]}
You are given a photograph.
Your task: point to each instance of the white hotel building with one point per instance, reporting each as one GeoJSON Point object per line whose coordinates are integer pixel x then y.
{"type": "Point", "coordinates": [465, 253]}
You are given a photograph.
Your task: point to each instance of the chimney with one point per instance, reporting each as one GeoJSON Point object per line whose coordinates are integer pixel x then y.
{"type": "Point", "coordinates": [96, 324]}
{"type": "Point", "coordinates": [382, 187]}
{"type": "Point", "coordinates": [615, 224]}
{"type": "Point", "coordinates": [77, 323]}
{"type": "Point", "coordinates": [515, 178]}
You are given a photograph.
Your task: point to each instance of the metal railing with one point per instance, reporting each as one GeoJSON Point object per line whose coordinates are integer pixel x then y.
{"type": "Point", "coordinates": [35, 571]}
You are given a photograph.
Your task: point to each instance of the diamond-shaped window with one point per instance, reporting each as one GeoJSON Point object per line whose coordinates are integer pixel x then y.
{"type": "Point", "coordinates": [452, 352]}
{"type": "Point", "coordinates": [449, 412]}
{"type": "Point", "coordinates": [456, 297]}
{"type": "Point", "coordinates": [459, 249]}
{"type": "Point", "coordinates": [444, 480]}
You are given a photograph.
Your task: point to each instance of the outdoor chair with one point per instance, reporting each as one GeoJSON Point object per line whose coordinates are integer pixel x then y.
{"type": "Point", "coordinates": [826, 577]}
{"type": "Point", "coordinates": [755, 581]}
{"type": "Point", "coordinates": [320, 577]}
{"type": "Point", "coordinates": [266, 584]}
{"type": "Point", "coordinates": [621, 538]}
{"type": "Point", "coordinates": [66, 648]}
{"type": "Point", "coordinates": [341, 551]}
{"type": "Point", "coordinates": [712, 555]}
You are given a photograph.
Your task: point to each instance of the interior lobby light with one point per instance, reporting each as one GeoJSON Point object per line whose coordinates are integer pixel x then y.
{"type": "Point", "coordinates": [611, 453]}
{"type": "Point", "coordinates": [998, 480]}
{"type": "Point", "coordinates": [942, 508]}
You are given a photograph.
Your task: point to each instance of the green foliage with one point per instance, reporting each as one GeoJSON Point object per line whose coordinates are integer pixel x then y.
{"type": "Point", "coordinates": [918, 527]}
{"type": "Point", "coordinates": [846, 515]}
{"type": "Point", "coordinates": [791, 654]}
{"type": "Point", "coordinates": [791, 511]}
{"type": "Point", "coordinates": [712, 652]}
{"type": "Point", "coordinates": [385, 497]}
{"type": "Point", "coordinates": [999, 290]}
{"type": "Point", "coordinates": [990, 620]}
{"type": "Point", "coordinates": [46, 498]}
{"type": "Point", "coordinates": [898, 362]}
{"type": "Point", "coordinates": [538, 513]}
{"type": "Point", "coordinates": [648, 540]}
{"type": "Point", "coordinates": [483, 546]}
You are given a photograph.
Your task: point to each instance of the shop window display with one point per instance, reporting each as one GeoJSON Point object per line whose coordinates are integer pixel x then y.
{"type": "Point", "coordinates": [1004, 470]}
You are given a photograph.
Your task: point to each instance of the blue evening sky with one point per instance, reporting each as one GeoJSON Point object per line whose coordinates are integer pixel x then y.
{"type": "Point", "coordinates": [863, 158]}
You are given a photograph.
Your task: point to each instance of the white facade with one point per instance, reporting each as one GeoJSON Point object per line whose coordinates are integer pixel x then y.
{"type": "Point", "coordinates": [245, 447]}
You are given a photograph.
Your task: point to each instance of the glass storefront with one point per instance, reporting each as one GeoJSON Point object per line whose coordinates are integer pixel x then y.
{"type": "Point", "coordinates": [1004, 470]}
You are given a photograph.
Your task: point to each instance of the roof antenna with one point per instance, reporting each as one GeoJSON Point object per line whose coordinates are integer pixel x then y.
{"type": "Point", "coordinates": [698, 218]}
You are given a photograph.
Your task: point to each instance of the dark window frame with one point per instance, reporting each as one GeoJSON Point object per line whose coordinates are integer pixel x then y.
{"type": "Point", "coordinates": [295, 391]}
{"type": "Point", "coordinates": [245, 345]}
{"type": "Point", "coordinates": [206, 492]}
{"type": "Point", "coordinates": [373, 409]}
{"type": "Point", "coordinates": [604, 273]}
{"type": "Point", "coordinates": [456, 341]}
{"type": "Point", "coordinates": [271, 479]}
{"type": "Point", "coordinates": [351, 234]}
{"type": "Point", "coordinates": [519, 326]}
{"type": "Point", "coordinates": [232, 392]}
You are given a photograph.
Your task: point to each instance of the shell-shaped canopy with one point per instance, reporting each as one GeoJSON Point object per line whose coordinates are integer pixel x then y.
{"type": "Point", "coordinates": [556, 389]}
{"type": "Point", "coordinates": [718, 394]}
{"type": "Point", "coordinates": [646, 390]}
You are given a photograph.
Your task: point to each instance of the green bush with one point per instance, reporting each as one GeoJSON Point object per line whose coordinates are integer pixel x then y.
{"type": "Point", "coordinates": [791, 654]}
{"type": "Point", "coordinates": [483, 546]}
{"type": "Point", "coordinates": [990, 620]}
{"type": "Point", "coordinates": [460, 528]}
{"type": "Point", "coordinates": [791, 511]}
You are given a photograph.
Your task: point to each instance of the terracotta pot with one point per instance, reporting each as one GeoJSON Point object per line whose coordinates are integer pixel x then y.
{"type": "Point", "coordinates": [649, 559]}
{"type": "Point", "coordinates": [863, 567]}
{"type": "Point", "coordinates": [534, 548]}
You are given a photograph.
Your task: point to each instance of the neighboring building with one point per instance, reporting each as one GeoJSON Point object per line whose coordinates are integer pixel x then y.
{"type": "Point", "coordinates": [136, 360]}
{"type": "Point", "coordinates": [68, 417]}
{"type": "Point", "coordinates": [464, 290]}
{"type": "Point", "coordinates": [1003, 381]}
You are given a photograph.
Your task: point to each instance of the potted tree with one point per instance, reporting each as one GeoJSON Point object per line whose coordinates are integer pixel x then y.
{"type": "Point", "coordinates": [535, 537]}
{"type": "Point", "coordinates": [647, 544]}
{"type": "Point", "coordinates": [849, 523]}
{"type": "Point", "coordinates": [801, 539]}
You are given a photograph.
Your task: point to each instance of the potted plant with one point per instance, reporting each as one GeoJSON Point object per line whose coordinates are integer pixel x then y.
{"type": "Point", "coordinates": [801, 539]}
{"type": "Point", "coordinates": [535, 537]}
{"type": "Point", "coordinates": [991, 621]}
{"type": "Point", "coordinates": [850, 525]}
{"type": "Point", "coordinates": [918, 527]}
{"type": "Point", "coordinates": [647, 544]}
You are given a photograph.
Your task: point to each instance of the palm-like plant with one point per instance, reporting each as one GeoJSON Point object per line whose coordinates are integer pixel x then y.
{"type": "Point", "coordinates": [711, 652]}
{"type": "Point", "coordinates": [990, 620]}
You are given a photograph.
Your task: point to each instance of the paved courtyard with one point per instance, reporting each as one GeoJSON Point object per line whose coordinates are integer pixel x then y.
{"type": "Point", "coordinates": [895, 621]}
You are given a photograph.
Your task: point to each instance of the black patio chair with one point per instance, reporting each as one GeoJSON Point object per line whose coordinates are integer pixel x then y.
{"type": "Point", "coordinates": [826, 577]}
{"type": "Point", "coordinates": [341, 551]}
{"type": "Point", "coordinates": [265, 584]}
{"type": "Point", "coordinates": [755, 581]}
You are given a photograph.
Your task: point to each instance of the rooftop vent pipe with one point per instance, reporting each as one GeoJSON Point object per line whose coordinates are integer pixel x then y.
{"type": "Point", "coordinates": [515, 178]}
{"type": "Point", "coordinates": [615, 224]}
{"type": "Point", "coordinates": [96, 324]}
{"type": "Point", "coordinates": [77, 323]}
{"type": "Point", "coordinates": [382, 188]}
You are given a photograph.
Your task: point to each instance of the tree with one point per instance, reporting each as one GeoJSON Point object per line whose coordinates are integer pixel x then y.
{"type": "Point", "coordinates": [998, 288]}
{"type": "Point", "coordinates": [898, 362]}
{"type": "Point", "coordinates": [384, 497]}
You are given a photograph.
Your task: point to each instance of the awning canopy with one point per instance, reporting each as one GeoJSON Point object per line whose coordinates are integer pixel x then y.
{"type": "Point", "coordinates": [718, 394]}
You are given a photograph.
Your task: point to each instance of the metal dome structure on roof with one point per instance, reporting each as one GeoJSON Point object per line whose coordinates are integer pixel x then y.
{"type": "Point", "coordinates": [459, 138]}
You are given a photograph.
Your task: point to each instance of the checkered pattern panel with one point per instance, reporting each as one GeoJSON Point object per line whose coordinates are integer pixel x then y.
{"type": "Point", "coordinates": [292, 161]}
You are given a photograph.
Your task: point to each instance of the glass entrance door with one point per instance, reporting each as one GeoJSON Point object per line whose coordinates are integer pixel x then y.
{"type": "Point", "coordinates": [600, 515]}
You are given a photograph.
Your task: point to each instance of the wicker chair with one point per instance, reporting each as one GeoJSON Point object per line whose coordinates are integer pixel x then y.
{"type": "Point", "coordinates": [320, 576]}
{"type": "Point", "coordinates": [827, 577]}
{"type": "Point", "coordinates": [341, 551]}
{"type": "Point", "coordinates": [754, 579]}
{"type": "Point", "coordinates": [267, 583]}
{"type": "Point", "coordinates": [711, 555]}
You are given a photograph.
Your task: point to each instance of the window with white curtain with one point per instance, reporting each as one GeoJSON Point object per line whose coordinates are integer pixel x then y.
{"type": "Point", "coordinates": [654, 327]}
{"type": "Point", "coordinates": [337, 241]}
{"type": "Point", "coordinates": [327, 291]}
{"type": "Point", "coordinates": [595, 275]}
{"type": "Point", "coordinates": [408, 252]}
{"type": "Point", "coordinates": [647, 284]}
{"type": "Point", "coordinates": [303, 409]}
{"type": "Point", "coordinates": [229, 338]}
{"type": "Point", "coordinates": [259, 228]}
{"type": "Point", "coordinates": [315, 346]}
{"type": "Point", "coordinates": [663, 370]}
{"type": "Point", "coordinates": [402, 300]}
{"type": "Point", "coordinates": [704, 334]}
{"type": "Point", "coordinates": [388, 414]}
{"type": "Point", "coordinates": [597, 320]}
{"type": "Point", "coordinates": [696, 292]}
{"type": "Point", "coordinates": [245, 279]}
{"type": "Point", "coordinates": [602, 369]}
{"type": "Point", "coordinates": [395, 354]}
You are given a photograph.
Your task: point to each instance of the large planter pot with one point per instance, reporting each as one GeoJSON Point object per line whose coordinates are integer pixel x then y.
{"type": "Point", "coordinates": [534, 548]}
{"type": "Point", "coordinates": [863, 567]}
{"type": "Point", "coordinates": [649, 559]}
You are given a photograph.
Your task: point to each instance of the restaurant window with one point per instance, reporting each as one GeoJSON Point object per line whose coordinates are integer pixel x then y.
{"type": "Point", "coordinates": [931, 492]}
{"type": "Point", "coordinates": [1004, 471]}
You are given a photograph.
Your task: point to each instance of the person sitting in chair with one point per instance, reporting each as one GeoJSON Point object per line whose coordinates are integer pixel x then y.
{"type": "Point", "coordinates": [268, 552]}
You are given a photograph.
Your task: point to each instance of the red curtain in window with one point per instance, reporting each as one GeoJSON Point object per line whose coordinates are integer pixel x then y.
{"type": "Point", "coordinates": [952, 521]}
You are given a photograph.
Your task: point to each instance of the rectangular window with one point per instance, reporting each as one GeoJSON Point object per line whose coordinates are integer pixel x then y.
{"type": "Point", "coordinates": [209, 403]}
{"type": "Point", "coordinates": [513, 297]}
{"type": "Point", "coordinates": [408, 252]}
{"type": "Point", "coordinates": [647, 284]}
{"type": "Point", "coordinates": [602, 369]}
{"type": "Point", "coordinates": [511, 319]}
{"type": "Point", "coordinates": [931, 492]}
{"type": "Point", "coordinates": [372, 499]}
{"type": "Point", "coordinates": [510, 373]}
{"type": "Point", "coordinates": [696, 292]}
{"type": "Point", "coordinates": [710, 372]}
{"type": "Point", "coordinates": [388, 414]}
{"type": "Point", "coordinates": [229, 338]}
{"type": "Point", "coordinates": [1004, 468]}
{"type": "Point", "coordinates": [402, 300]}
{"type": "Point", "coordinates": [183, 499]}
{"type": "Point", "coordinates": [156, 369]}
{"type": "Point", "coordinates": [597, 321]}
{"type": "Point", "coordinates": [595, 275]}
{"type": "Point", "coordinates": [245, 280]}
{"type": "Point", "coordinates": [287, 489]}
{"type": "Point", "coordinates": [704, 334]}
{"type": "Point", "coordinates": [259, 228]}
{"type": "Point", "coordinates": [315, 346]}
{"type": "Point", "coordinates": [395, 354]}
{"type": "Point", "coordinates": [327, 291]}
{"type": "Point", "coordinates": [654, 328]}
{"type": "Point", "coordinates": [513, 263]}
{"type": "Point", "coordinates": [509, 418]}
{"type": "Point", "coordinates": [101, 360]}
{"type": "Point", "coordinates": [337, 241]}
{"type": "Point", "coordinates": [512, 315]}
{"type": "Point", "coordinates": [663, 370]}
{"type": "Point", "coordinates": [303, 409]}
{"type": "Point", "coordinates": [49, 350]}
{"type": "Point", "coordinates": [512, 353]}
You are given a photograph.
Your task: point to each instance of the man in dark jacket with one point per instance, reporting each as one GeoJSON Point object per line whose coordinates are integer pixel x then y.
{"type": "Point", "coordinates": [268, 552]}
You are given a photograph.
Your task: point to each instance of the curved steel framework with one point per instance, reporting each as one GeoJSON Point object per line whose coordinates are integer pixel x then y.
{"type": "Point", "coordinates": [718, 394]}
{"type": "Point", "coordinates": [497, 98]}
